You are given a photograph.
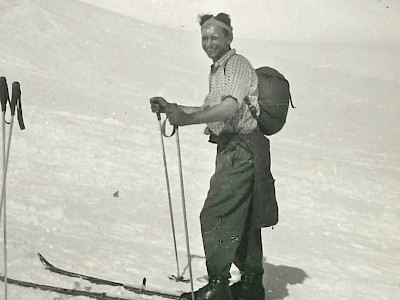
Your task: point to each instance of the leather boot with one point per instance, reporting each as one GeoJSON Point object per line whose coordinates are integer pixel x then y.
{"type": "Point", "coordinates": [216, 289]}
{"type": "Point", "coordinates": [250, 287]}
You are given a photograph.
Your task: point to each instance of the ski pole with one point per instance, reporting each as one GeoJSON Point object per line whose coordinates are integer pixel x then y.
{"type": "Point", "coordinates": [14, 103]}
{"type": "Point", "coordinates": [4, 97]}
{"type": "Point", "coordinates": [184, 212]}
{"type": "Point", "coordinates": [16, 96]}
{"type": "Point", "coordinates": [169, 195]}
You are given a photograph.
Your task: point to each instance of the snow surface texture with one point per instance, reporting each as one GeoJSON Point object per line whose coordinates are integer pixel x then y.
{"type": "Point", "coordinates": [86, 76]}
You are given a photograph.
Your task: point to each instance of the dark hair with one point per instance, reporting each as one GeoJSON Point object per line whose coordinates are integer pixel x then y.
{"type": "Point", "coordinates": [225, 18]}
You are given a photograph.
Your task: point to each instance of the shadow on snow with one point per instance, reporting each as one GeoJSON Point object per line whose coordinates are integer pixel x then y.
{"type": "Point", "coordinates": [276, 279]}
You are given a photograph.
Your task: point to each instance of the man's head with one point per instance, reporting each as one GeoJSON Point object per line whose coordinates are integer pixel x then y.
{"type": "Point", "coordinates": [216, 35]}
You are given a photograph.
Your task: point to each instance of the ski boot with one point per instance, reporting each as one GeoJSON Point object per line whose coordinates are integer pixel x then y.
{"type": "Point", "coordinates": [250, 287]}
{"type": "Point", "coordinates": [216, 289]}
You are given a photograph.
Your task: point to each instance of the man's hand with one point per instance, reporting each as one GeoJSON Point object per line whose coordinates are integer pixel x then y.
{"type": "Point", "coordinates": [158, 104]}
{"type": "Point", "coordinates": [176, 116]}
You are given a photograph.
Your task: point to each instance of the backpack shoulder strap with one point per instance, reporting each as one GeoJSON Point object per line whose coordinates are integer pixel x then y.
{"type": "Point", "coordinates": [226, 63]}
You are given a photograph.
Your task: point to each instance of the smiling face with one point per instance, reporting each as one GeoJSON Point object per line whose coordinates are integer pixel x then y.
{"type": "Point", "coordinates": [215, 41]}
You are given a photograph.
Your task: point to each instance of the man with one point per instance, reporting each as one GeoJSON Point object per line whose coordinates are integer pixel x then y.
{"type": "Point", "coordinates": [230, 222]}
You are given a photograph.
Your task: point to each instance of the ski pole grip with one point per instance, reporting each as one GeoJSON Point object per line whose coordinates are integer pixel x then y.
{"type": "Point", "coordinates": [4, 96]}
{"type": "Point", "coordinates": [16, 95]}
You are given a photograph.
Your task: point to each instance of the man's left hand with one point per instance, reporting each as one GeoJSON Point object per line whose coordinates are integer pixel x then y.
{"type": "Point", "coordinates": [176, 116]}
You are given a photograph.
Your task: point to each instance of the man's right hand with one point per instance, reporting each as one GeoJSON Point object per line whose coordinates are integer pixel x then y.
{"type": "Point", "coordinates": [158, 104]}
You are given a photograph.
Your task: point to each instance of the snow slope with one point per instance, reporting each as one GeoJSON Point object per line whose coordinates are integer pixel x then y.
{"type": "Point", "coordinates": [86, 76]}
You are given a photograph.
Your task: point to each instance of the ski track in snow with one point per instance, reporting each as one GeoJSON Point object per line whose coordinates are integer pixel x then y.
{"type": "Point", "coordinates": [86, 76]}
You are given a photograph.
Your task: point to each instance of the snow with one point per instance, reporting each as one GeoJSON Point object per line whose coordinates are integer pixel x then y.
{"type": "Point", "coordinates": [86, 75]}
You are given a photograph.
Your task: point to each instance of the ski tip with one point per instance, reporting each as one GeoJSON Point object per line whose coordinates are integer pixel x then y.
{"type": "Point", "coordinates": [42, 259]}
{"type": "Point", "coordinates": [40, 256]}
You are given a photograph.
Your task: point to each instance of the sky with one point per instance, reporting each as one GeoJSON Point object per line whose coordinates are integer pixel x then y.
{"type": "Point", "coordinates": [375, 21]}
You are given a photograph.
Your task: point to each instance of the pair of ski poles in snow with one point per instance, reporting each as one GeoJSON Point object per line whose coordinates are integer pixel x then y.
{"type": "Point", "coordinates": [14, 103]}
{"type": "Point", "coordinates": [175, 131]}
